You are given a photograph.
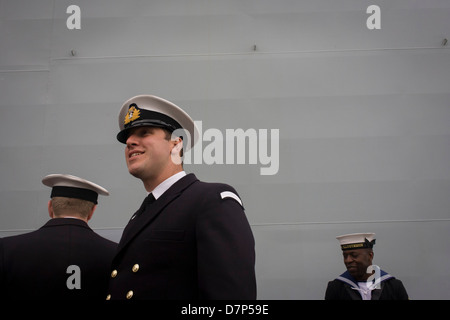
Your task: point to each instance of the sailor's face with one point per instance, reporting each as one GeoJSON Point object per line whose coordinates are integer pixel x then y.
{"type": "Point", "coordinates": [357, 261]}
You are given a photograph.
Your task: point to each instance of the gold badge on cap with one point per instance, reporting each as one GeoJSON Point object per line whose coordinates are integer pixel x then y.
{"type": "Point", "coordinates": [132, 114]}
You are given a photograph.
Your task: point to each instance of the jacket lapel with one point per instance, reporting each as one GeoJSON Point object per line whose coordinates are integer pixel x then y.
{"type": "Point", "coordinates": [376, 293]}
{"type": "Point", "coordinates": [351, 287]}
{"type": "Point", "coordinates": [136, 225]}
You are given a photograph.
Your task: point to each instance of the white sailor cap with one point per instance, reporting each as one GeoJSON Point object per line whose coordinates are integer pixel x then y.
{"type": "Point", "coordinates": [356, 241]}
{"type": "Point", "coordinates": [68, 186]}
{"type": "Point", "coordinates": [148, 110]}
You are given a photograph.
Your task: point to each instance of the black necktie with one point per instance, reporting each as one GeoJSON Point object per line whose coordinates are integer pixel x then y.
{"type": "Point", "coordinates": [150, 199]}
{"type": "Point", "coordinates": [147, 202]}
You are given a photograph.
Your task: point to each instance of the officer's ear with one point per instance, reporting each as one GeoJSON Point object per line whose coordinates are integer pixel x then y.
{"type": "Point", "coordinates": [50, 209]}
{"type": "Point", "coordinates": [92, 212]}
{"type": "Point", "coordinates": [178, 145]}
{"type": "Point", "coordinates": [177, 150]}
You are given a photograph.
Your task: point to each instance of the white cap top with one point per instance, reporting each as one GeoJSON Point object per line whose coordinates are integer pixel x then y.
{"type": "Point", "coordinates": [356, 240]}
{"type": "Point", "coordinates": [66, 185]}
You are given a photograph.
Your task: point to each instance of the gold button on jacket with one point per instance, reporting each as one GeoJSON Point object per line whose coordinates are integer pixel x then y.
{"type": "Point", "coordinates": [129, 294]}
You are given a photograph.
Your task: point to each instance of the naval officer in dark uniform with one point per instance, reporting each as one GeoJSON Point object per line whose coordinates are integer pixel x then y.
{"type": "Point", "coordinates": [189, 239]}
{"type": "Point", "coordinates": [362, 280]}
{"type": "Point", "coordinates": [64, 259]}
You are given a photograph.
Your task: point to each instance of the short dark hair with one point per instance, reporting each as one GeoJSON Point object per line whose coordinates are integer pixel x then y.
{"type": "Point", "coordinates": [168, 137]}
{"type": "Point", "coordinates": [62, 205]}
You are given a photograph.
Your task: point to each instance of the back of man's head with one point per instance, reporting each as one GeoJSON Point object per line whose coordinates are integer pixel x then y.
{"type": "Point", "coordinates": [63, 207]}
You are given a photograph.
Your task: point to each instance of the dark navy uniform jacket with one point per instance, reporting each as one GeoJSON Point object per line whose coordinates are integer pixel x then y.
{"type": "Point", "coordinates": [191, 243]}
{"type": "Point", "coordinates": [35, 265]}
{"type": "Point", "coordinates": [344, 287]}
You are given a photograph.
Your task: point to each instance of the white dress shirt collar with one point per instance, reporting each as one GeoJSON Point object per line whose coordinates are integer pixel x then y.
{"type": "Point", "coordinates": [166, 184]}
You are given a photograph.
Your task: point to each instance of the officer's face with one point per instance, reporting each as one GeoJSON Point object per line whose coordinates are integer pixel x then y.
{"type": "Point", "coordinates": [147, 152]}
{"type": "Point", "coordinates": [357, 262]}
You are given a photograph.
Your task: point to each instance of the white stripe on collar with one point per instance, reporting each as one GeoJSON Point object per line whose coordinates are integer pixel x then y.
{"type": "Point", "coordinates": [373, 286]}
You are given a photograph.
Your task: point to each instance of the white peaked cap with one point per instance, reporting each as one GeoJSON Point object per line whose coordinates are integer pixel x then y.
{"type": "Point", "coordinates": [66, 185]}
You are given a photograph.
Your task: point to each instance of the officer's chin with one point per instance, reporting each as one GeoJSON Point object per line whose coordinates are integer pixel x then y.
{"type": "Point", "coordinates": [134, 172]}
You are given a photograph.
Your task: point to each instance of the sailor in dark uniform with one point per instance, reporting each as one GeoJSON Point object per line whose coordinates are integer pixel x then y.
{"type": "Point", "coordinates": [64, 259]}
{"type": "Point", "coordinates": [189, 239]}
{"type": "Point", "coordinates": [362, 280]}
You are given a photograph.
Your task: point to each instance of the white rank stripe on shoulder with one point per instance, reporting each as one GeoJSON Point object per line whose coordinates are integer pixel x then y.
{"type": "Point", "coordinates": [229, 194]}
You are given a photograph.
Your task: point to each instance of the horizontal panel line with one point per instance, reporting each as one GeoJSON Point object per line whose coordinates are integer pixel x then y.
{"type": "Point", "coordinates": [30, 230]}
{"type": "Point", "coordinates": [344, 222]}
{"type": "Point", "coordinates": [213, 54]}
{"type": "Point", "coordinates": [24, 70]}
{"type": "Point", "coordinates": [269, 224]}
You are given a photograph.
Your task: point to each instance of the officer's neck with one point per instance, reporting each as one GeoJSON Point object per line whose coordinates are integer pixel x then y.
{"type": "Point", "coordinates": [151, 183]}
